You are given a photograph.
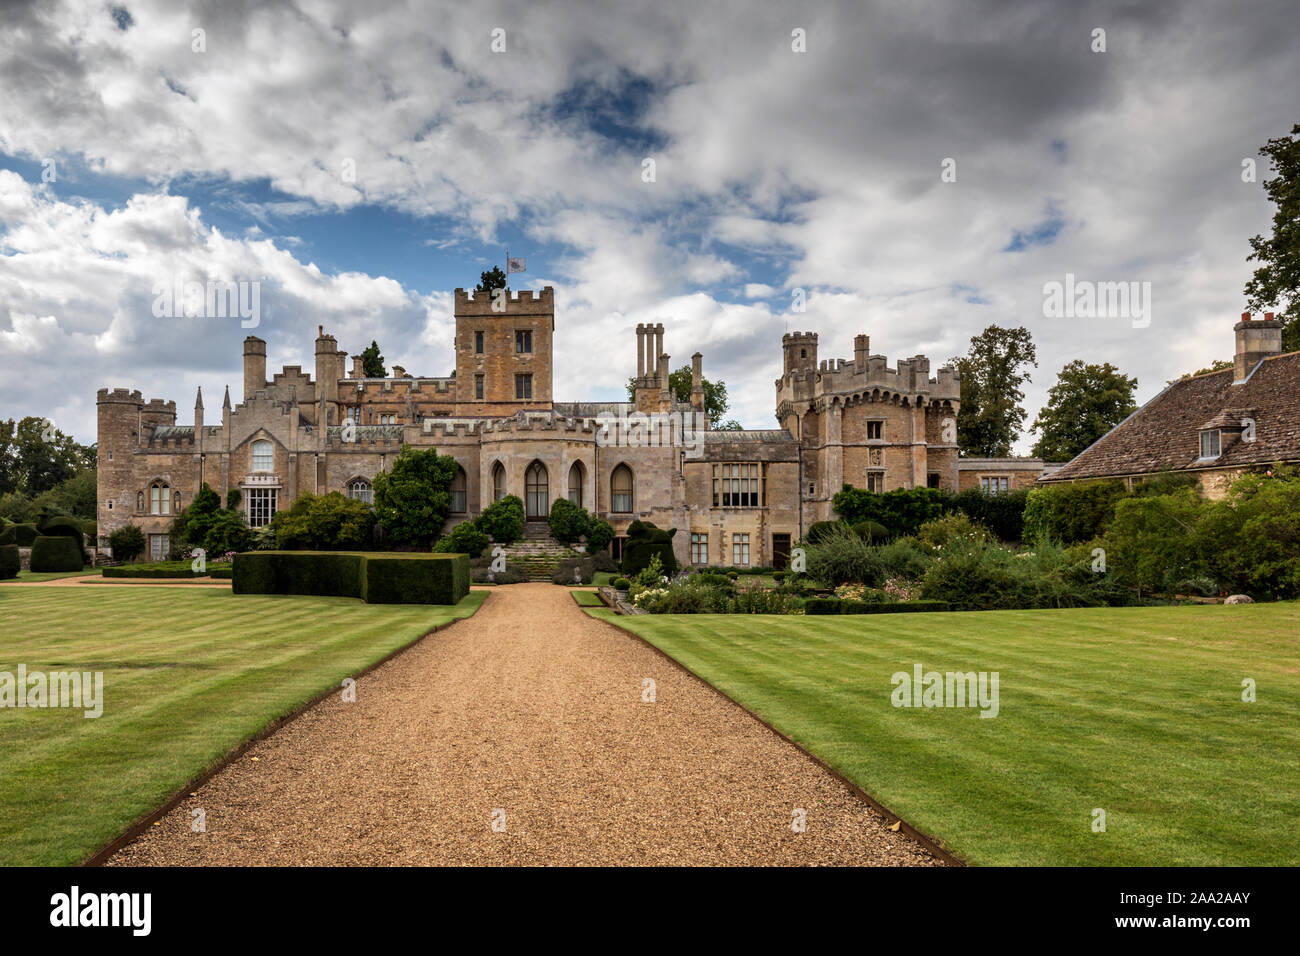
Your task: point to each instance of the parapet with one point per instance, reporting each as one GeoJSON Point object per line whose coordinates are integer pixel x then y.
{"type": "Point", "coordinates": [523, 301]}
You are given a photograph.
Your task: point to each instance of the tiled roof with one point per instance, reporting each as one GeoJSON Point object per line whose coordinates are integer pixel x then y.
{"type": "Point", "coordinates": [1164, 434]}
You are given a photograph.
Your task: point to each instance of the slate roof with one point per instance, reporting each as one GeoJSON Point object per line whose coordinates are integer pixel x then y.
{"type": "Point", "coordinates": [1164, 434]}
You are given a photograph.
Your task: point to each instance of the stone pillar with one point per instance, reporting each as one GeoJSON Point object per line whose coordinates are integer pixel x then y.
{"type": "Point", "coordinates": [834, 449]}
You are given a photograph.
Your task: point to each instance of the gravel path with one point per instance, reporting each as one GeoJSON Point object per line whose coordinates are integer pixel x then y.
{"type": "Point", "coordinates": [532, 708]}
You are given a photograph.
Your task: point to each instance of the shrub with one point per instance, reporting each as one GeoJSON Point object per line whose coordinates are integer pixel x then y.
{"type": "Point", "coordinates": [90, 529]}
{"type": "Point", "coordinates": [902, 510]}
{"type": "Point", "coordinates": [652, 574]}
{"type": "Point", "coordinates": [618, 584]}
{"type": "Point", "coordinates": [228, 531]}
{"type": "Point", "coordinates": [1004, 515]}
{"type": "Point", "coordinates": [1071, 513]}
{"type": "Point", "coordinates": [1251, 538]}
{"type": "Point", "coordinates": [574, 571]}
{"type": "Point", "coordinates": [568, 522]}
{"type": "Point", "coordinates": [943, 532]}
{"type": "Point", "coordinates": [330, 522]}
{"type": "Point", "coordinates": [599, 535]}
{"type": "Point", "coordinates": [841, 557]}
{"type": "Point", "coordinates": [168, 569]}
{"type": "Point", "coordinates": [20, 534]}
{"type": "Point", "coordinates": [503, 521]}
{"type": "Point", "coordinates": [903, 558]}
{"type": "Point", "coordinates": [872, 532]}
{"type": "Point", "coordinates": [778, 576]}
{"type": "Point", "coordinates": [465, 538]}
{"type": "Point", "coordinates": [56, 552]}
{"type": "Point", "coordinates": [756, 599]}
{"type": "Point", "coordinates": [481, 573]}
{"type": "Point", "coordinates": [1154, 542]}
{"type": "Point", "coordinates": [127, 543]}
{"type": "Point", "coordinates": [10, 563]}
{"type": "Point", "coordinates": [685, 596]}
{"type": "Point", "coordinates": [603, 560]}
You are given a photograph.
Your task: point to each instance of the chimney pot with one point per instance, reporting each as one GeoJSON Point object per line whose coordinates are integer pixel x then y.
{"type": "Point", "coordinates": [1245, 316]}
{"type": "Point", "coordinates": [1268, 316]}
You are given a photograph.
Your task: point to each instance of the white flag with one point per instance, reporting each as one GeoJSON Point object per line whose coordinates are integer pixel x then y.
{"type": "Point", "coordinates": [514, 264]}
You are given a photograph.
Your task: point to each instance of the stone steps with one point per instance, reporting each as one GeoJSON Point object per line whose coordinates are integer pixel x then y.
{"type": "Point", "coordinates": [538, 553]}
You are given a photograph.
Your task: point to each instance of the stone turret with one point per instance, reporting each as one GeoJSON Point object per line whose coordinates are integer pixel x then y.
{"type": "Point", "coordinates": [800, 350]}
{"type": "Point", "coordinates": [254, 365]}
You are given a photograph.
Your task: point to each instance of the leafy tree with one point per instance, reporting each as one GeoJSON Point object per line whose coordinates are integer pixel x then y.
{"type": "Point", "coordinates": [190, 527]}
{"type": "Point", "coordinates": [1086, 402]}
{"type": "Point", "coordinates": [993, 374]}
{"type": "Point", "coordinates": [30, 464]}
{"type": "Point", "coordinates": [599, 535]}
{"type": "Point", "coordinates": [127, 543]}
{"type": "Point", "coordinates": [372, 361]}
{"type": "Point", "coordinates": [329, 522]}
{"type": "Point", "coordinates": [503, 521]}
{"type": "Point", "coordinates": [715, 395]}
{"type": "Point", "coordinates": [1218, 365]}
{"type": "Point", "coordinates": [413, 499]}
{"type": "Point", "coordinates": [1277, 281]}
{"type": "Point", "coordinates": [568, 522]}
{"type": "Point", "coordinates": [491, 280]}
{"type": "Point", "coordinates": [232, 499]}
{"type": "Point", "coordinates": [227, 532]}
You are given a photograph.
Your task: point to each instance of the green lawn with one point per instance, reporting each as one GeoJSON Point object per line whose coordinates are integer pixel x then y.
{"type": "Point", "coordinates": [1137, 711]}
{"type": "Point", "coordinates": [31, 576]}
{"type": "Point", "coordinates": [587, 599]}
{"type": "Point", "coordinates": [188, 676]}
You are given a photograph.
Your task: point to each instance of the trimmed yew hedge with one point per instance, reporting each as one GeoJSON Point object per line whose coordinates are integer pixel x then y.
{"type": "Point", "coordinates": [20, 534]}
{"type": "Point", "coordinates": [376, 578]}
{"type": "Point", "coordinates": [10, 562]}
{"type": "Point", "coordinates": [56, 553]}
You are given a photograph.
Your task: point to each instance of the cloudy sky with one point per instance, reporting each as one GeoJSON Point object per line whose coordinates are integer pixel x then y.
{"type": "Point", "coordinates": [360, 161]}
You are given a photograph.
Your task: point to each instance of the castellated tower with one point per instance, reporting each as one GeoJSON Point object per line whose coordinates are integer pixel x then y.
{"type": "Point", "coordinates": [504, 355]}
{"type": "Point", "coordinates": [800, 351]}
{"type": "Point", "coordinates": [329, 369]}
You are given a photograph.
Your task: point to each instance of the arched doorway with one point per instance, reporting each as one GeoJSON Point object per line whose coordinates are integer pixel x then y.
{"type": "Point", "coordinates": [537, 499]}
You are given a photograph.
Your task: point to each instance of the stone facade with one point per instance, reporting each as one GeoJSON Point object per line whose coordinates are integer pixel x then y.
{"type": "Point", "coordinates": [736, 497]}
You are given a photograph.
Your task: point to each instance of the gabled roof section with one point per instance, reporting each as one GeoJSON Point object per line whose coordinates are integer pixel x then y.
{"type": "Point", "coordinates": [1164, 434]}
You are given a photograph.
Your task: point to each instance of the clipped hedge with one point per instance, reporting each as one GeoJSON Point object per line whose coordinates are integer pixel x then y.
{"type": "Point", "coordinates": [68, 527]}
{"type": "Point", "coordinates": [376, 578]}
{"type": "Point", "coordinates": [56, 552]}
{"type": "Point", "coordinates": [224, 573]}
{"type": "Point", "coordinates": [10, 564]}
{"type": "Point", "coordinates": [837, 606]}
{"type": "Point", "coordinates": [20, 534]}
{"type": "Point", "coordinates": [414, 579]}
{"type": "Point", "coordinates": [171, 569]}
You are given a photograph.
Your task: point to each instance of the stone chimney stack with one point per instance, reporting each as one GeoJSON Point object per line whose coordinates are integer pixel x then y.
{"type": "Point", "coordinates": [357, 370]}
{"type": "Point", "coordinates": [861, 349]}
{"type": "Point", "coordinates": [665, 391]}
{"type": "Point", "coordinates": [1256, 341]}
{"type": "Point", "coordinates": [254, 365]}
{"type": "Point", "coordinates": [697, 382]}
{"type": "Point", "coordinates": [641, 353]}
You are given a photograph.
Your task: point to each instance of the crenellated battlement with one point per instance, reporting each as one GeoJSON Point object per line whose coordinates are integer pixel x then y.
{"type": "Point", "coordinates": [119, 396]}
{"type": "Point", "coordinates": [808, 380]}
{"type": "Point", "coordinates": [517, 302]}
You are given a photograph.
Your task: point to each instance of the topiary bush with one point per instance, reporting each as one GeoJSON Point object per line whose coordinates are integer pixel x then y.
{"type": "Point", "coordinates": [618, 584]}
{"type": "Point", "coordinates": [56, 552]}
{"type": "Point", "coordinates": [20, 534]}
{"type": "Point", "coordinates": [10, 563]}
{"type": "Point", "coordinates": [465, 538]}
{"type": "Point", "coordinates": [503, 521]}
{"type": "Point", "coordinates": [65, 526]}
{"type": "Point", "coordinates": [872, 532]}
{"type": "Point", "coordinates": [645, 541]}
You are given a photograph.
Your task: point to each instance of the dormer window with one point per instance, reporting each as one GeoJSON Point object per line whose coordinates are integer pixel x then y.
{"type": "Point", "coordinates": [1211, 446]}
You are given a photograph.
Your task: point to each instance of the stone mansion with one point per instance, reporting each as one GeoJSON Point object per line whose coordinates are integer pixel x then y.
{"type": "Point", "coordinates": [736, 497]}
